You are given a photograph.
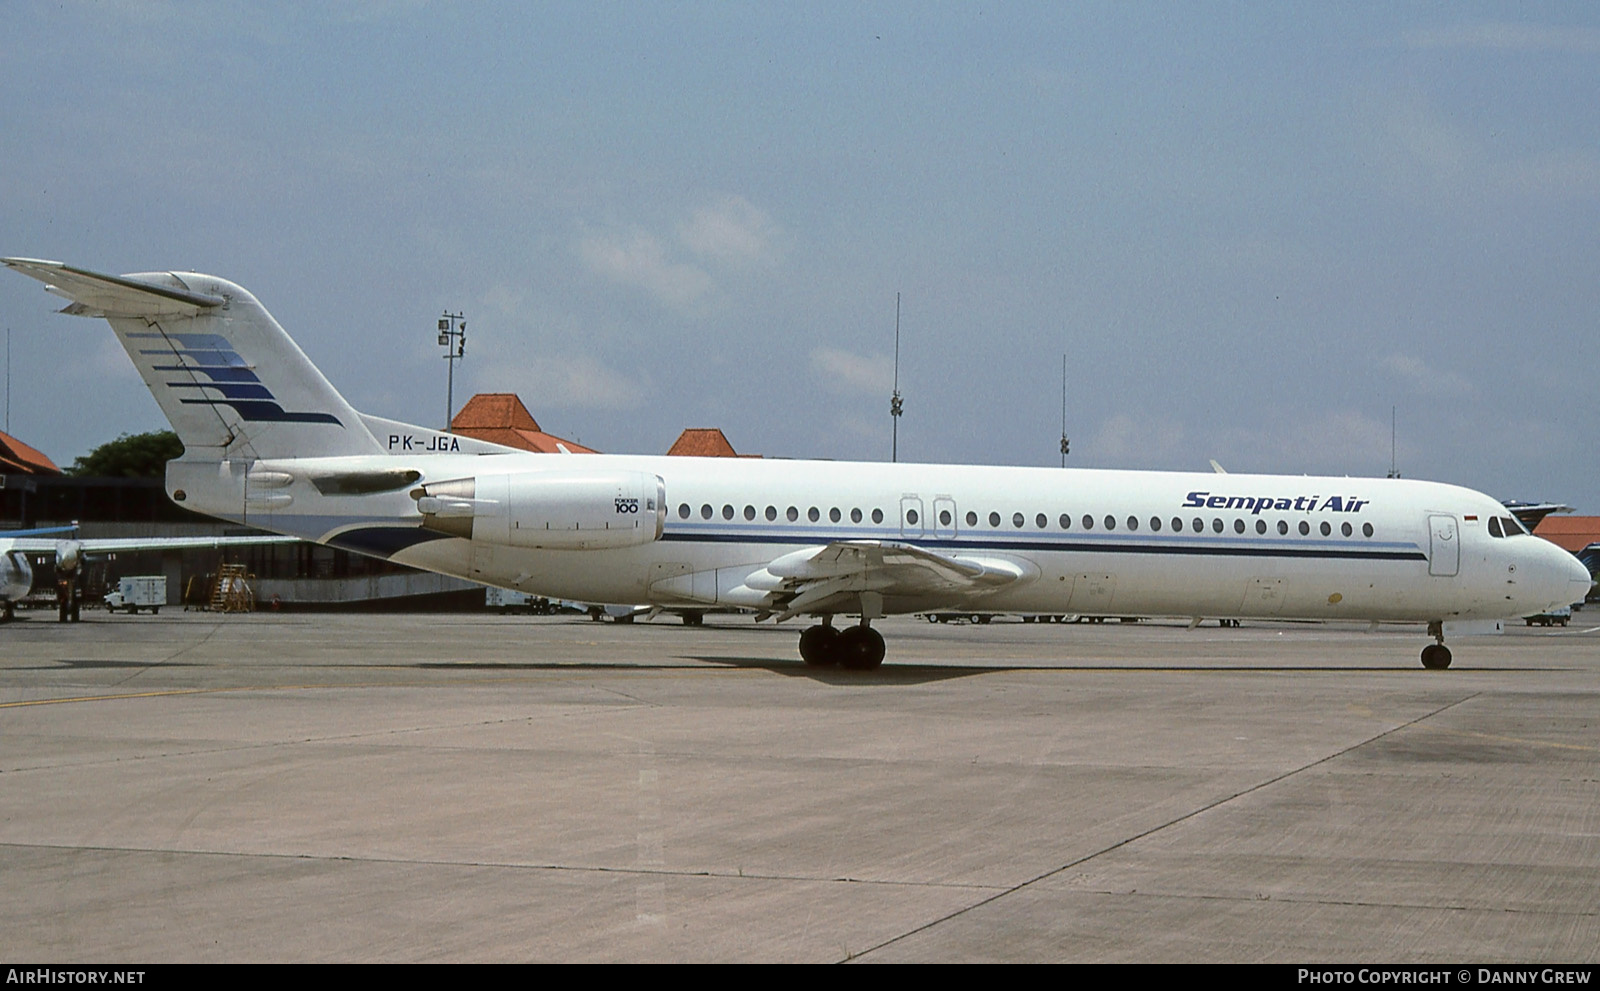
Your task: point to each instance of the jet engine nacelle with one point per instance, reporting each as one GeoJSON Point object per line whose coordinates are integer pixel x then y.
{"type": "Point", "coordinates": [69, 554]}
{"type": "Point", "coordinates": [551, 510]}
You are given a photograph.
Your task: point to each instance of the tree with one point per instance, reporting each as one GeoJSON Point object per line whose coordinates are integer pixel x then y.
{"type": "Point", "coordinates": [130, 456]}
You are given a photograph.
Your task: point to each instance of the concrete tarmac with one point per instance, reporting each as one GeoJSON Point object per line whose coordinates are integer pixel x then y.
{"type": "Point", "coordinates": [189, 787]}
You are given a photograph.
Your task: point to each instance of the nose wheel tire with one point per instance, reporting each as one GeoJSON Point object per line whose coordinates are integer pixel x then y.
{"type": "Point", "coordinates": [1436, 657]}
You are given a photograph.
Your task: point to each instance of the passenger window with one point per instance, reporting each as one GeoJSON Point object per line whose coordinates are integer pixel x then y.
{"type": "Point", "coordinates": [1111, 522]}
{"type": "Point", "coordinates": [1366, 529]}
{"type": "Point", "coordinates": [1305, 528]}
{"type": "Point", "coordinates": [1133, 523]}
{"type": "Point", "coordinates": [1238, 526]}
{"type": "Point", "coordinates": [772, 513]}
{"type": "Point", "coordinates": [1155, 523]}
{"type": "Point", "coordinates": [749, 512]}
{"type": "Point", "coordinates": [1345, 529]}
{"type": "Point", "coordinates": [855, 516]}
{"type": "Point", "coordinates": [834, 515]}
{"type": "Point", "coordinates": [1216, 525]}
{"type": "Point", "coordinates": [877, 516]}
{"type": "Point", "coordinates": [813, 515]}
{"type": "Point", "coordinates": [683, 510]}
{"type": "Point", "coordinates": [1326, 529]}
{"type": "Point", "coordinates": [1065, 521]}
{"type": "Point", "coordinates": [911, 516]}
{"type": "Point", "coordinates": [1016, 520]}
{"type": "Point", "coordinates": [1177, 525]}
{"type": "Point", "coordinates": [727, 512]}
{"type": "Point", "coordinates": [994, 519]}
{"type": "Point", "coordinates": [705, 511]}
{"type": "Point", "coordinates": [1261, 526]}
{"type": "Point", "coordinates": [793, 514]}
{"type": "Point", "coordinates": [1088, 522]}
{"type": "Point", "coordinates": [1042, 521]}
{"type": "Point", "coordinates": [1199, 525]}
{"type": "Point", "coordinates": [1283, 527]}
{"type": "Point", "coordinates": [945, 517]}
{"type": "Point", "coordinates": [972, 518]}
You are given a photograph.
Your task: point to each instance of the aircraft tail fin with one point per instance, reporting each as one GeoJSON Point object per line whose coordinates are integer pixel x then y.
{"type": "Point", "coordinates": [230, 380]}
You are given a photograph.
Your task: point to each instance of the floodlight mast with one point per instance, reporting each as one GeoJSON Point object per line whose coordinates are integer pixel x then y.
{"type": "Point", "coordinates": [453, 338]}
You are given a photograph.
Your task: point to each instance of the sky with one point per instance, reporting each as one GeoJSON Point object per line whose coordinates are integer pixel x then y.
{"type": "Point", "coordinates": [1251, 232]}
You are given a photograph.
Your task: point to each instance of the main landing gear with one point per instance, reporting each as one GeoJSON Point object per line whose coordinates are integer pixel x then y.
{"type": "Point", "coordinates": [859, 648]}
{"type": "Point", "coordinates": [1436, 656]}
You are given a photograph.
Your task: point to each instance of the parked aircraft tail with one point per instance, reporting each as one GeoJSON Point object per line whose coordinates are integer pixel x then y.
{"type": "Point", "coordinates": [229, 379]}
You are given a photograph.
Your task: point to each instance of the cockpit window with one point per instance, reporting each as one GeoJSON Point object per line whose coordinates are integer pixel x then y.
{"type": "Point", "coordinates": [1494, 527]}
{"type": "Point", "coordinates": [1512, 526]}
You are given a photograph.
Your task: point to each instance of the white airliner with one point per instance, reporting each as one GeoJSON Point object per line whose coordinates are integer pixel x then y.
{"type": "Point", "coordinates": [269, 443]}
{"type": "Point", "coordinates": [69, 551]}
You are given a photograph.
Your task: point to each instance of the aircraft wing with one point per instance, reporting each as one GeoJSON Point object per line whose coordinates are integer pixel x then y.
{"type": "Point", "coordinates": [71, 551]}
{"type": "Point", "coordinates": [856, 575]}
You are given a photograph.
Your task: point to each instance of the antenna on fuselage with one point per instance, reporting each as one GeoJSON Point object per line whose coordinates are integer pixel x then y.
{"type": "Point", "coordinates": [895, 405]}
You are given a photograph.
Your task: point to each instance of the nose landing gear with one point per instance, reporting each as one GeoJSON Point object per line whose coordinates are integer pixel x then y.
{"type": "Point", "coordinates": [858, 648]}
{"type": "Point", "coordinates": [1436, 656]}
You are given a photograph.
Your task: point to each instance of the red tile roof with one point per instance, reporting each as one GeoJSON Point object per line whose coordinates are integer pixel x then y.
{"type": "Point", "coordinates": [1573, 533]}
{"type": "Point", "coordinates": [17, 457]}
{"type": "Point", "coordinates": [705, 442]}
{"type": "Point", "coordinates": [500, 418]}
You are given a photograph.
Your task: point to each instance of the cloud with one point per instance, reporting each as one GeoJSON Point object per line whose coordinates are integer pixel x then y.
{"type": "Point", "coordinates": [689, 268]}
{"type": "Point", "coordinates": [1425, 378]}
{"type": "Point", "coordinates": [636, 258]}
{"type": "Point", "coordinates": [566, 380]}
{"type": "Point", "coordinates": [731, 231]}
{"type": "Point", "coordinates": [1125, 441]}
{"type": "Point", "coordinates": [845, 372]}
{"type": "Point", "coordinates": [1504, 36]}
{"type": "Point", "coordinates": [1427, 153]}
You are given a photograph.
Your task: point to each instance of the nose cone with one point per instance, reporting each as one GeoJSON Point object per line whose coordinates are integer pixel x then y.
{"type": "Point", "coordinates": [1582, 581]}
{"type": "Point", "coordinates": [1562, 578]}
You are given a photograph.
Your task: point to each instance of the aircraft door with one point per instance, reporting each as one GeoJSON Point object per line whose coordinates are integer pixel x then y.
{"type": "Point", "coordinates": [944, 517]}
{"type": "Point", "coordinates": [1444, 546]}
{"type": "Point", "coordinates": [911, 522]}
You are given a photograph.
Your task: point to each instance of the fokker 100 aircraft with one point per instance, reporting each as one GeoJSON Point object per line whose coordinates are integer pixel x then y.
{"type": "Point", "coordinates": [270, 443]}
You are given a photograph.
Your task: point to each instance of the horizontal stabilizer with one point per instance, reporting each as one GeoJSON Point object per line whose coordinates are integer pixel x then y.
{"type": "Point", "coordinates": [94, 294]}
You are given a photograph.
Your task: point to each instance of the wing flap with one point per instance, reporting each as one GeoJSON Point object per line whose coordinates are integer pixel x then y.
{"type": "Point", "coordinates": [841, 576]}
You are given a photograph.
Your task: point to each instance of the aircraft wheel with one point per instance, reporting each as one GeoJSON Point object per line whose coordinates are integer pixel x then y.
{"type": "Point", "coordinates": [1436, 657]}
{"type": "Point", "coordinates": [860, 648]}
{"type": "Point", "coordinates": [818, 646]}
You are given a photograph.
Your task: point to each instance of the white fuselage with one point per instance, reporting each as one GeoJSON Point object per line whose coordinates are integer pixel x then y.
{"type": "Point", "coordinates": [1085, 541]}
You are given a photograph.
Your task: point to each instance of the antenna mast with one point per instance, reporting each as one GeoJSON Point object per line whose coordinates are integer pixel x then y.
{"type": "Point", "coordinates": [1064, 442]}
{"type": "Point", "coordinates": [895, 405]}
{"type": "Point", "coordinates": [1394, 469]}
